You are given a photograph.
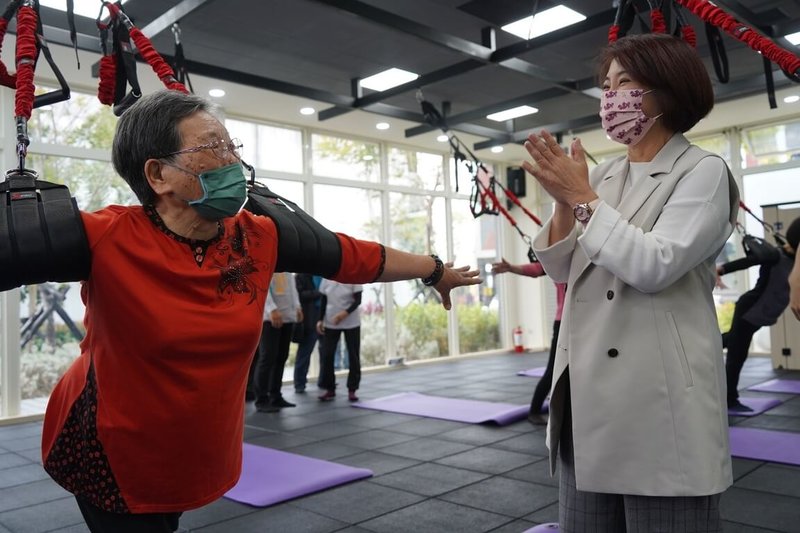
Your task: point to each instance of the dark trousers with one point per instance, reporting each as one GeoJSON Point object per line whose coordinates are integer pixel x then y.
{"type": "Point", "coordinates": [100, 521]}
{"type": "Point", "coordinates": [273, 351]}
{"type": "Point", "coordinates": [543, 387]}
{"type": "Point", "coordinates": [304, 350]}
{"type": "Point", "coordinates": [737, 340]}
{"type": "Point", "coordinates": [327, 350]}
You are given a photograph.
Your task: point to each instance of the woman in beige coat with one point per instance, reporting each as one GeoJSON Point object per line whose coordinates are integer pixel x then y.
{"type": "Point", "coordinates": [638, 417]}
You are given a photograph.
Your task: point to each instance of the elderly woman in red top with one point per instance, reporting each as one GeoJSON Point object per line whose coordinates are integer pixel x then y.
{"type": "Point", "coordinates": [173, 316]}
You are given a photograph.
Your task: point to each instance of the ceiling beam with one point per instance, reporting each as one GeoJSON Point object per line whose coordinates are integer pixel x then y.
{"type": "Point", "coordinates": [481, 55]}
{"type": "Point", "coordinates": [481, 112]}
{"type": "Point", "coordinates": [173, 15]}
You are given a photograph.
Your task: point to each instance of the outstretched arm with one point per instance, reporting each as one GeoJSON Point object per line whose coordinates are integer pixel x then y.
{"type": "Point", "coordinates": [403, 265]}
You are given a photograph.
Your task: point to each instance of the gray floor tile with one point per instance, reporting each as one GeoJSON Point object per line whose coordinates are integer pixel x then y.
{"type": "Point", "coordinates": [31, 442]}
{"type": "Point", "coordinates": [426, 427]}
{"type": "Point", "coordinates": [379, 463]}
{"type": "Point", "coordinates": [504, 496]}
{"type": "Point", "coordinates": [19, 475]}
{"type": "Point", "coordinates": [777, 422]}
{"type": "Point", "coordinates": [429, 479]}
{"type": "Point", "coordinates": [760, 509]}
{"type": "Point", "coordinates": [29, 494]}
{"type": "Point", "coordinates": [733, 527]}
{"type": "Point", "coordinates": [538, 472]}
{"type": "Point", "coordinates": [10, 460]}
{"type": "Point", "coordinates": [777, 479]}
{"type": "Point", "coordinates": [515, 526]}
{"type": "Point", "coordinates": [426, 449]}
{"type": "Point", "coordinates": [532, 443]}
{"type": "Point", "coordinates": [478, 434]}
{"type": "Point", "coordinates": [43, 517]}
{"type": "Point", "coordinates": [373, 439]}
{"type": "Point", "coordinates": [436, 516]}
{"type": "Point", "coordinates": [742, 467]}
{"type": "Point", "coordinates": [283, 518]}
{"type": "Point", "coordinates": [357, 502]}
{"type": "Point", "coordinates": [218, 511]}
{"type": "Point", "coordinates": [329, 430]}
{"type": "Point", "coordinates": [281, 441]}
{"type": "Point", "coordinates": [548, 515]}
{"type": "Point", "coordinates": [325, 450]}
{"type": "Point", "coordinates": [489, 460]}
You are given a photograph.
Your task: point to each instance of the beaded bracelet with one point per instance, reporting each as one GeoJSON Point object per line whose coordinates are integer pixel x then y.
{"type": "Point", "coordinates": [437, 273]}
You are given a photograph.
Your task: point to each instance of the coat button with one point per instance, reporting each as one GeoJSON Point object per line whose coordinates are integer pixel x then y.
{"type": "Point", "coordinates": [610, 295]}
{"type": "Point", "coordinates": [613, 352]}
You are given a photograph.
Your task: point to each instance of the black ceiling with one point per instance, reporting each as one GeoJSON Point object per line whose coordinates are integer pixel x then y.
{"type": "Point", "coordinates": [316, 48]}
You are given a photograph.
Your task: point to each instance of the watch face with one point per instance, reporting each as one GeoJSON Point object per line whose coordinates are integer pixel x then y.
{"type": "Point", "coordinates": [582, 212]}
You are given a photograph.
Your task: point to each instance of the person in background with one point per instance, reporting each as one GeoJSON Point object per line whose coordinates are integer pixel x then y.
{"type": "Point", "coordinates": [148, 421]}
{"type": "Point", "coordinates": [760, 306]}
{"type": "Point", "coordinates": [306, 333]}
{"type": "Point", "coordinates": [281, 313]}
{"type": "Point", "coordinates": [794, 286]}
{"type": "Point", "coordinates": [638, 421]}
{"type": "Point", "coordinates": [340, 315]}
{"type": "Point", "coordinates": [534, 270]}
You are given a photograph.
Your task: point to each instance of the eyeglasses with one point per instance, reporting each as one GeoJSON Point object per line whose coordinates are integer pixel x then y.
{"type": "Point", "coordinates": [219, 148]}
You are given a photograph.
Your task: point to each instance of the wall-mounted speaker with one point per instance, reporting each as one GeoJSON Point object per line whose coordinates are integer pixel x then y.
{"type": "Point", "coordinates": [515, 182]}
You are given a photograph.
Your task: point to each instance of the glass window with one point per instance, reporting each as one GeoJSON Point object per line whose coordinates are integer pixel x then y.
{"type": "Point", "coordinates": [82, 121]}
{"type": "Point", "coordinates": [460, 175]}
{"type": "Point", "coordinates": [94, 184]}
{"type": "Point", "coordinates": [291, 190]}
{"type": "Point", "coordinates": [269, 147]}
{"type": "Point", "coordinates": [476, 307]}
{"type": "Point", "coordinates": [337, 157]}
{"type": "Point", "coordinates": [771, 144]}
{"type": "Point", "coordinates": [717, 144]}
{"type": "Point", "coordinates": [419, 170]}
{"type": "Point", "coordinates": [333, 208]}
{"type": "Point", "coordinates": [418, 225]}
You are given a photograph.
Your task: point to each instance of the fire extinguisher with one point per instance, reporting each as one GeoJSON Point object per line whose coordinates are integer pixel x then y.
{"type": "Point", "coordinates": [517, 334]}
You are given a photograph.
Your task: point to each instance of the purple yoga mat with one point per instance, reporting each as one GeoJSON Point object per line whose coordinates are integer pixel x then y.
{"type": "Point", "coordinates": [543, 528]}
{"type": "Point", "coordinates": [532, 372]}
{"type": "Point", "coordinates": [271, 476]}
{"type": "Point", "coordinates": [765, 445]}
{"type": "Point", "coordinates": [470, 411]}
{"type": "Point", "coordinates": [791, 386]}
{"type": "Point", "coordinates": [758, 406]}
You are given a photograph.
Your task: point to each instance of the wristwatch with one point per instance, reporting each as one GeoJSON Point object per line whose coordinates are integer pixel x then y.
{"type": "Point", "coordinates": [583, 212]}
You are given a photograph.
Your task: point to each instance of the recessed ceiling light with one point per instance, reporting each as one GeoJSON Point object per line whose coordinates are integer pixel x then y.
{"type": "Point", "coordinates": [442, 138]}
{"type": "Point", "coordinates": [84, 9]}
{"type": "Point", "coordinates": [594, 92]}
{"type": "Point", "coordinates": [791, 99]}
{"type": "Point", "coordinates": [793, 38]}
{"type": "Point", "coordinates": [307, 111]}
{"type": "Point", "coordinates": [508, 114]}
{"type": "Point", "coordinates": [497, 149]}
{"type": "Point", "coordinates": [388, 79]}
{"type": "Point", "coordinates": [546, 21]}
{"type": "Point", "coordinates": [216, 93]}
{"type": "Point", "coordinates": [382, 125]}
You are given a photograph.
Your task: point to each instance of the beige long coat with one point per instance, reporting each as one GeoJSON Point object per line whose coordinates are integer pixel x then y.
{"type": "Point", "coordinates": [644, 356]}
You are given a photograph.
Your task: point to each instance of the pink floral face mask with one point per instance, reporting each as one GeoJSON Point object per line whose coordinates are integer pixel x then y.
{"type": "Point", "coordinates": [622, 116]}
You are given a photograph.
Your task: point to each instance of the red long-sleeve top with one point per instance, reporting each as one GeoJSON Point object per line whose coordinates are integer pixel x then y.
{"type": "Point", "coordinates": [149, 418]}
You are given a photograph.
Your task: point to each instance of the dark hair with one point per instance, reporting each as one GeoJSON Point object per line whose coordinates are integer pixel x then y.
{"type": "Point", "coordinates": [671, 67]}
{"type": "Point", "coordinates": [793, 233]}
{"type": "Point", "coordinates": [148, 129]}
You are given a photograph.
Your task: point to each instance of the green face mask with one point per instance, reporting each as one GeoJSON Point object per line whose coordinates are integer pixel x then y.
{"type": "Point", "coordinates": [224, 192]}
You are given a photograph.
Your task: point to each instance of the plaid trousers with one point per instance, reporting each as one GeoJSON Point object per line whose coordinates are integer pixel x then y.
{"type": "Point", "coordinates": [595, 512]}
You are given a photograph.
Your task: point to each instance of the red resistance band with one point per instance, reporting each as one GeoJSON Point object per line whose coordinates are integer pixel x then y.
{"type": "Point", "coordinates": [710, 13]}
{"type": "Point", "coordinates": [26, 61]}
{"type": "Point", "coordinates": [146, 50]}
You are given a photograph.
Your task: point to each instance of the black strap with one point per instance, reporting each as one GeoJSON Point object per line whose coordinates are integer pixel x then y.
{"type": "Point", "coordinates": [73, 33]}
{"type": "Point", "coordinates": [126, 70]}
{"type": "Point", "coordinates": [719, 57]}
{"type": "Point", "coordinates": [770, 83]}
{"type": "Point", "coordinates": [63, 93]}
{"type": "Point", "coordinates": [304, 245]}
